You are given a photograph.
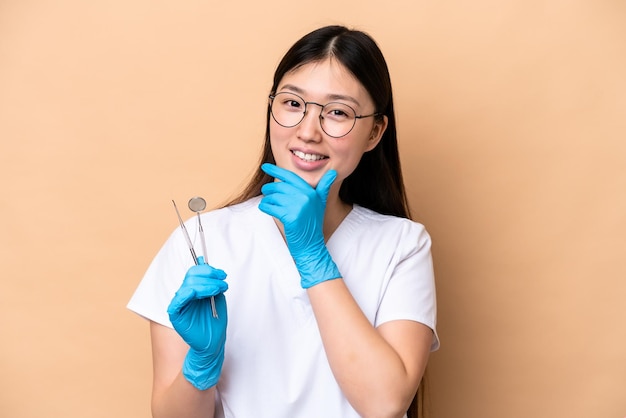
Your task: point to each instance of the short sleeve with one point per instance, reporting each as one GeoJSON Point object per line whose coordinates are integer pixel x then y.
{"type": "Point", "coordinates": [161, 280]}
{"type": "Point", "coordinates": [410, 290]}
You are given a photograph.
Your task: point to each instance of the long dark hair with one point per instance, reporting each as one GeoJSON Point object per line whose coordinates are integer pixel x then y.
{"type": "Point", "coordinates": [376, 183]}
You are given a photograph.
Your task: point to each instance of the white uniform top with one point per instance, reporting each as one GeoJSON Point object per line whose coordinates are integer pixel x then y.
{"type": "Point", "coordinates": [275, 365]}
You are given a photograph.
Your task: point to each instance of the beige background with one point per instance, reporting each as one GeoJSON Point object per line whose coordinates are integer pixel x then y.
{"type": "Point", "coordinates": [512, 125]}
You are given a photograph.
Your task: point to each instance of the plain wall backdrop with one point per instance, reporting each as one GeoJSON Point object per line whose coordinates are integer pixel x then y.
{"type": "Point", "coordinates": [512, 125]}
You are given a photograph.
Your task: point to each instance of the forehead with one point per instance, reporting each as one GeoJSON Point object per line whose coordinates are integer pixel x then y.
{"type": "Point", "coordinates": [324, 80]}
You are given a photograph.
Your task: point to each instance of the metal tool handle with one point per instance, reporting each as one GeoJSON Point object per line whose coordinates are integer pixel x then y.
{"type": "Point", "coordinates": [193, 252]}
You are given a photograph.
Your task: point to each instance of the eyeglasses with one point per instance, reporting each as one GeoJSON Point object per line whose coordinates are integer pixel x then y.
{"type": "Point", "coordinates": [336, 119]}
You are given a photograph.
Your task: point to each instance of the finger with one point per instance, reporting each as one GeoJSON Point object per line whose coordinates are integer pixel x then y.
{"type": "Point", "coordinates": [284, 175]}
{"type": "Point", "coordinates": [180, 300]}
{"type": "Point", "coordinates": [204, 271]}
{"type": "Point", "coordinates": [286, 195]}
{"type": "Point", "coordinates": [272, 206]}
{"type": "Point", "coordinates": [191, 292]}
{"type": "Point", "coordinates": [282, 199]}
{"type": "Point", "coordinates": [279, 187]}
{"type": "Point", "coordinates": [212, 288]}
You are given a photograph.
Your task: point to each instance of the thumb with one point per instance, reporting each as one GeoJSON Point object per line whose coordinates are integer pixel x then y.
{"type": "Point", "coordinates": [323, 187]}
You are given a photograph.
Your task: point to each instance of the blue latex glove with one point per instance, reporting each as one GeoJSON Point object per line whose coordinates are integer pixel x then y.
{"type": "Point", "coordinates": [191, 315]}
{"type": "Point", "coordinates": [301, 208]}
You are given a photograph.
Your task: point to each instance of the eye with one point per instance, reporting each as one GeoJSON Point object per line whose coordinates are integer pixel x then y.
{"type": "Point", "coordinates": [338, 112]}
{"type": "Point", "coordinates": [293, 103]}
{"type": "Point", "coordinates": [290, 103]}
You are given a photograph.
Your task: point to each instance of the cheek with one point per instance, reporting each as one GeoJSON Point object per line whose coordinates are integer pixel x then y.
{"type": "Point", "coordinates": [277, 136]}
{"type": "Point", "coordinates": [347, 159]}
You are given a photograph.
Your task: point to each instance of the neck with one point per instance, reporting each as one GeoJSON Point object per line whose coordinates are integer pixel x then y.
{"type": "Point", "coordinates": [336, 211]}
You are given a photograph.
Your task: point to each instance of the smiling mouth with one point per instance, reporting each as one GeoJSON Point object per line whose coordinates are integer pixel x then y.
{"type": "Point", "coordinates": [308, 157]}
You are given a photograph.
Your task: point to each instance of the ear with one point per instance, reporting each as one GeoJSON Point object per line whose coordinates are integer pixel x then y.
{"type": "Point", "coordinates": [377, 133]}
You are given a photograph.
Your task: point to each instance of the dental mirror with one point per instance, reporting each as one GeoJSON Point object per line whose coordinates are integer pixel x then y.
{"type": "Point", "coordinates": [197, 204]}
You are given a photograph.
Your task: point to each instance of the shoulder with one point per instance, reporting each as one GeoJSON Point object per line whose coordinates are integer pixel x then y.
{"type": "Point", "coordinates": [248, 206]}
{"type": "Point", "coordinates": [235, 224]}
{"type": "Point", "coordinates": [240, 212]}
{"type": "Point", "coordinates": [388, 226]}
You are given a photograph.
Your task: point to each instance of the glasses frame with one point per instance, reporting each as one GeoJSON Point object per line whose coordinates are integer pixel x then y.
{"type": "Point", "coordinates": [320, 117]}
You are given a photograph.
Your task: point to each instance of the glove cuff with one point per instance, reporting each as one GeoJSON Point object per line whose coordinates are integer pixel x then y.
{"type": "Point", "coordinates": [203, 371]}
{"type": "Point", "coordinates": [317, 269]}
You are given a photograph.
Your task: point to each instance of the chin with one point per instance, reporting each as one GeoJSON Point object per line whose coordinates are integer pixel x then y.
{"type": "Point", "coordinates": [311, 179]}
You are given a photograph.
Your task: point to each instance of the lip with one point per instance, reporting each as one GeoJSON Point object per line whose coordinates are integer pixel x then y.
{"type": "Point", "coordinates": [308, 165]}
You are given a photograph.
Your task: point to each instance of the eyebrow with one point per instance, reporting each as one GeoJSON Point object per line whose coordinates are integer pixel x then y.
{"type": "Point", "coordinates": [330, 97]}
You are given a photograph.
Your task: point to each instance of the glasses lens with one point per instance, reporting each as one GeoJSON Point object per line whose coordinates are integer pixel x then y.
{"type": "Point", "coordinates": [337, 119]}
{"type": "Point", "coordinates": [287, 109]}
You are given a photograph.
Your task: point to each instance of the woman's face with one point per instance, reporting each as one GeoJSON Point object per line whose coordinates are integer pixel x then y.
{"type": "Point", "coordinates": [305, 148]}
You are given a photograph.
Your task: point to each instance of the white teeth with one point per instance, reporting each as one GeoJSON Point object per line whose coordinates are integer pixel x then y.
{"type": "Point", "coordinates": [308, 157]}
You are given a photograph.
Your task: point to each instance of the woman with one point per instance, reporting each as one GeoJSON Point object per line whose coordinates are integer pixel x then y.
{"type": "Point", "coordinates": [331, 299]}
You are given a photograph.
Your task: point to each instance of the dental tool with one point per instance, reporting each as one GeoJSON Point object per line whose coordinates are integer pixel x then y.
{"type": "Point", "coordinates": [197, 206]}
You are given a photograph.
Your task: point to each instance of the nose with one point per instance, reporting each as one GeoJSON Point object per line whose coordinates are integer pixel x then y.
{"type": "Point", "coordinates": [310, 128]}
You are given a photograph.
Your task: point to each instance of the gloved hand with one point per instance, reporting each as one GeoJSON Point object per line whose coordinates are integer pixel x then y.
{"type": "Point", "coordinates": [191, 315]}
{"type": "Point", "coordinates": [301, 208]}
